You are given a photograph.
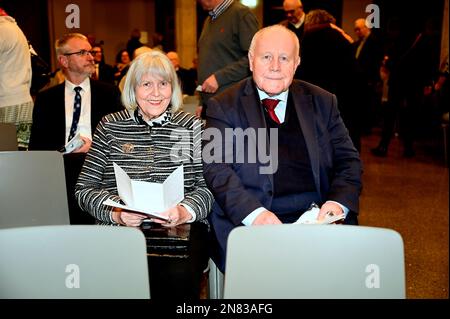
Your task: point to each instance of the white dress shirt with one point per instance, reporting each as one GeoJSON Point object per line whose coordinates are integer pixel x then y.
{"type": "Point", "coordinates": [84, 124]}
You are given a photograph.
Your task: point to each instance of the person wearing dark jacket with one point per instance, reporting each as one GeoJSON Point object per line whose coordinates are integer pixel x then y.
{"type": "Point", "coordinates": [328, 62]}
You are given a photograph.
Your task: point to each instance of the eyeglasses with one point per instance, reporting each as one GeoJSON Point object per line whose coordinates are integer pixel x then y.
{"type": "Point", "coordinates": [81, 53]}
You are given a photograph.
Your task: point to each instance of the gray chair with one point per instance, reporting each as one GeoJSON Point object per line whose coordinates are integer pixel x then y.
{"type": "Point", "coordinates": [32, 189]}
{"type": "Point", "coordinates": [314, 261]}
{"type": "Point", "coordinates": [71, 262]}
{"type": "Point", "coordinates": [8, 137]}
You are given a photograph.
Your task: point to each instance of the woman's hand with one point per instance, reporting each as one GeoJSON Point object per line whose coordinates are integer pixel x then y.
{"type": "Point", "coordinates": [177, 215]}
{"type": "Point", "coordinates": [128, 218]}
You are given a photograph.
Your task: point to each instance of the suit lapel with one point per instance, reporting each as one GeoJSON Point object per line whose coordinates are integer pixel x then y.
{"type": "Point", "coordinates": [60, 116]}
{"type": "Point", "coordinates": [305, 112]}
{"type": "Point", "coordinates": [94, 111]}
{"type": "Point", "coordinates": [255, 117]}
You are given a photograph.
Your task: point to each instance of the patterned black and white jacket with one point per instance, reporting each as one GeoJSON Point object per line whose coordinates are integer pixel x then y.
{"type": "Point", "coordinates": [146, 152]}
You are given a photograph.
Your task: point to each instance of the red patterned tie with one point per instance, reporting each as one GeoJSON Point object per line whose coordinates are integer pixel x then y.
{"type": "Point", "coordinates": [270, 105]}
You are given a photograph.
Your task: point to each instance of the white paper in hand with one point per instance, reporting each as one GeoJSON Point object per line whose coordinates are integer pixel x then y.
{"type": "Point", "coordinates": [146, 197]}
{"type": "Point", "coordinates": [310, 217]}
{"type": "Point", "coordinates": [75, 143]}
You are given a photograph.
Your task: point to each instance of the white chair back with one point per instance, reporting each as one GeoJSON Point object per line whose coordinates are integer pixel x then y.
{"type": "Point", "coordinates": [71, 262]}
{"type": "Point", "coordinates": [32, 189]}
{"type": "Point", "coordinates": [314, 261]}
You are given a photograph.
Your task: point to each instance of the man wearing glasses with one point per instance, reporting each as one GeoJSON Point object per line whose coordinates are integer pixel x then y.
{"type": "Point", "coordinates": [71, 111]}
{"type": "Point", "coordinates": [76, 106]}
{"type": "Point", "coordinates": [295, 17]}
{"type": "Point", "coordinates": [103, 71]}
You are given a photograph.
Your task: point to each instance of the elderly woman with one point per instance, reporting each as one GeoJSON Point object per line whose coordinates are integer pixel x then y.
{"type": "Point", "coordinates": [149, 141]}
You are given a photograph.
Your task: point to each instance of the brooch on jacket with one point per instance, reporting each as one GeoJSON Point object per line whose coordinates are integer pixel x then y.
{"type": "Point", "coordinates": [127, 148]}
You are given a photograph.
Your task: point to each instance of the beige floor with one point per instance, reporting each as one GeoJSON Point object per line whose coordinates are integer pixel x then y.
{"type": "Point", "coordinates": [411, 196]}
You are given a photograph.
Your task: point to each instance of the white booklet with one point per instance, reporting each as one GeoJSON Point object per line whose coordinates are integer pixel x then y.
{"type": "Point", "coordinates": [146, 197]}
{"type": "Point", "coordinates": [310, 217]}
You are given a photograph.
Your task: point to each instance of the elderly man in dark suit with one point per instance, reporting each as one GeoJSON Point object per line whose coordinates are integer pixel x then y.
{"type": "Point", "coordinates": [57, 115]}
{"type": "Point", "coordinates": [312, 158]}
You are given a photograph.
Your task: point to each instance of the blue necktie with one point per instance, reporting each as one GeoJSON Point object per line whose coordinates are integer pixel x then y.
{"type": "Point", "coordinates": [76, 112]}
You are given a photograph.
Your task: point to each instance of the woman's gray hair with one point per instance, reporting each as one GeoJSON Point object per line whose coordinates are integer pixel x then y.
{"type": "Point", "coordinates": [156, 64]}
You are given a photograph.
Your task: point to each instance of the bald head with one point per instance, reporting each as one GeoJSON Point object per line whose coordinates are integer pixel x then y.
{"type": "Point", "coordinates": [173, 57]}
{"type": "Point", "coordinates": [361, 30]}
{"type": "Point", "coordinates": [141, 50]}
{"type": "Point", "coordinates": [293, 9]}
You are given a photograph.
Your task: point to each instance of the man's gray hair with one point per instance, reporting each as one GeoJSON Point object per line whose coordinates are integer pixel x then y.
{"type": "Point", "coordinates": [275, 27]}
{"type": "Point", "coordinates": [60, 44]}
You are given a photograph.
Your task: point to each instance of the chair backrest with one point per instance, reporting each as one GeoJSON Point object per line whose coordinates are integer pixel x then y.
{"type": "Point", "coordinates": [32, 189]}
{"type": "Point", "coordinates": [70, 262]}
{"type": "Point", "coordinates": [8, 137]}
{"type": "Point", "coordinates": [314, 261]}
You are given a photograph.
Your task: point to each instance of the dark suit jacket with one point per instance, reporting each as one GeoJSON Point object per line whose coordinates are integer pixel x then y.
{"type": "Point", "coordinates": [240, 188]}
{"type": "Point", "coordinates": [298, 32]}
{"type": "Point", "coordinates": [48, 130]}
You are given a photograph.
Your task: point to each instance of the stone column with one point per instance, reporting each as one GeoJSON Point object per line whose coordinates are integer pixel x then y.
{"type": "Point", "coordinates": [186, 31]}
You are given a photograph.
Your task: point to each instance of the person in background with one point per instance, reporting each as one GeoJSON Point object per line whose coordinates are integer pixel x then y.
{"type": "Point", "coordinates": [141, 50]}
{"type": "Point", "coordinates": [295, 17]}
{"type": "Point", "coordinates": [158, 40]}
{"type": "Point", "coordinates": [408, 90]}
{"type": "Point", "coordinates": [187, 77]}
{"type": "Point", "coordinates": [122, 62]}
{"type": "Point", "coordinates": [223, 47]}
{"type": "Point", "coordinates": [75, 106]}
{"type": "Point", "coordinates": [103, 71]}
{"type": "Point", "coordinates": [16, 103]}
{"type": "Point", "coordinates": [368, 52]}
{"type": "Point", "coordinates": [314, 162]}
{"type": "Point", "coordinates": [151, 121]}
{"type": "Point", "coordinates": [328, 62]}
{"type": "Point", "coordinates": [134, 42]}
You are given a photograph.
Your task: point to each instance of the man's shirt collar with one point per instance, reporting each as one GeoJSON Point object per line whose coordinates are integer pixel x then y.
{"type": "Point", "coordinates": [217, 11]}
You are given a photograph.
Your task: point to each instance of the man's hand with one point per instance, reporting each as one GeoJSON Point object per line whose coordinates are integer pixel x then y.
{"type": "Point", "coordinates": [329, 207]}
{"type": "Point", "coordinates": [210, 85]}
{"type": "Point", "coordinates": [266, 218]}
{"type": "Point", "coordinates": [86, 146]}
